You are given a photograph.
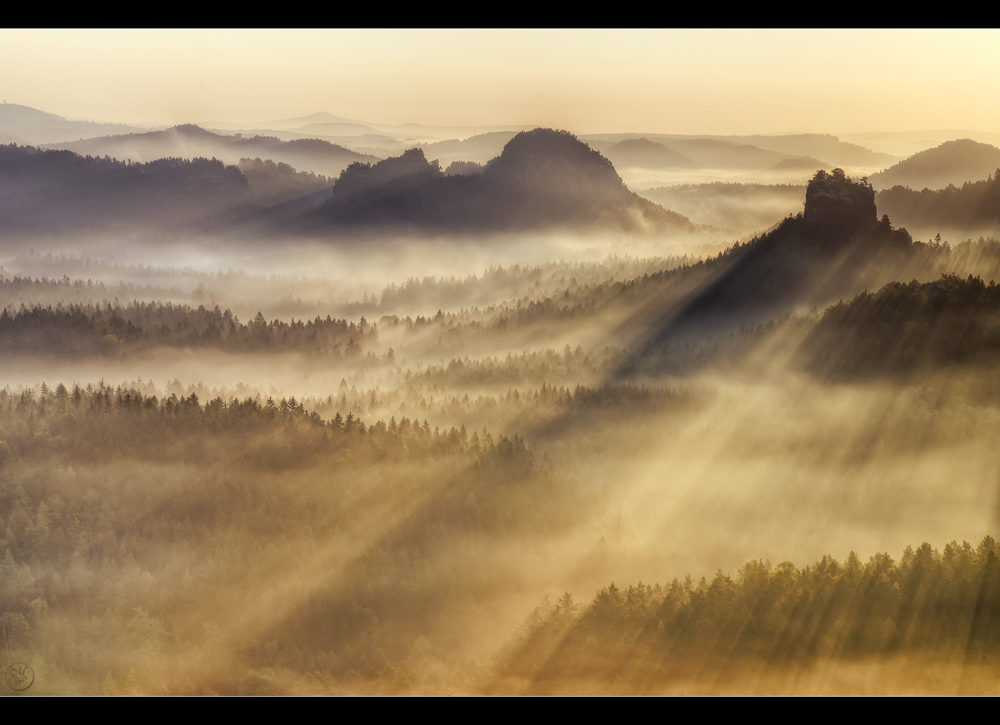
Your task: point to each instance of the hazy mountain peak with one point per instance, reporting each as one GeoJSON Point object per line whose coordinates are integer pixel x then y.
{"type": "Point", "coordinates": [545, 156]}
{"type": "Point", "coordinates": [643, 153]}
{"type": "Point", "coordinates": [953, 162]}
{"type": "Point", "coordinates": [15, 113]}
{"type": "Point", "coordinates": [29, 125]}
{"type": "Point", "coordinates": [964, 146]}
{"type": "Point", "coordinates": [541, 143]}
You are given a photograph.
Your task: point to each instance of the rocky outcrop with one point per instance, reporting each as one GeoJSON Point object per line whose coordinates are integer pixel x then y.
{"type": "Point", "coordinates": [839, 206]}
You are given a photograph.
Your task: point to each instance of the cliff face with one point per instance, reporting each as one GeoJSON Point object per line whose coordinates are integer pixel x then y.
{"type": "Point", "coordinates": [839, 206]}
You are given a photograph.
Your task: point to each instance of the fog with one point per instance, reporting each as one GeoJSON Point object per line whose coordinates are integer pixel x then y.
{"type": "Point", "coordinates": [742, 208]}
{"type": "Point", "coordinates": [379, 450]}
{"type": "Point", "coordinates": [714, 470]}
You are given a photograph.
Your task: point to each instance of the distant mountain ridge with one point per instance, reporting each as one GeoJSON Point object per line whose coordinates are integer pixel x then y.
{"type": "Point", "coordinates": [190, 141]}
{"type": "Point", "coordinates": [646, 154]}
{"type": "Point", "coordinates": [26, 125]}
{"type": "Point", "coordinates": [542, 179]}
{"type": "Point", "coordinates": [753, 152]}
{"type": "Point", "coordinates": [828, 147]}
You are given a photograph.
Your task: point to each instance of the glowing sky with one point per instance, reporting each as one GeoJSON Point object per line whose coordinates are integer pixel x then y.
{"type": "Point", "coordinates": [669, 81]}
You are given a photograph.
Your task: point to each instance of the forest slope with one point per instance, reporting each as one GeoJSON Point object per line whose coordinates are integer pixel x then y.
{"type": "Point", "coordinates": [810, 259]}
{"type": "Point", "coordinates": [972, 207]}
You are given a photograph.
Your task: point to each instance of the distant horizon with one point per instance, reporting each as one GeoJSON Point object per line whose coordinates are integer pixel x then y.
{"type": "Point", "coordinates": [242, 125]}
{"type": "Point", "coordinates": [714, 82]}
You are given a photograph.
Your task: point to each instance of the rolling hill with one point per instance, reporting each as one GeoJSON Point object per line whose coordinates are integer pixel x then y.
{"type": "Point", "coordinates": [953, 162]}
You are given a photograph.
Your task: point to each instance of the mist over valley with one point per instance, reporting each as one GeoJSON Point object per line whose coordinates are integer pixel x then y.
{"type": "Point", "coordinates": [359, 405]}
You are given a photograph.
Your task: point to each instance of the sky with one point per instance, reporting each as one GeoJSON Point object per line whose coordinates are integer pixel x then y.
{"type": "Point", "coordinates": [585, 81]}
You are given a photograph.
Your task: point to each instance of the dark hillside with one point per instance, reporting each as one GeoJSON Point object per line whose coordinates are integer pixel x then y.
{"type": "Point", "coordinates": [906, 327]}
{"type": "Point", "coordinates": [50, 189]}
{"type": "Point", "coordinates": [809, 259]}
{"type": "Point", "coordinates": [974, 206]}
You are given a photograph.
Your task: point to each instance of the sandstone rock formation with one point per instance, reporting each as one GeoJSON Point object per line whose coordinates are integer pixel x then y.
{"type": "Point", "coordinates": [838, 206]}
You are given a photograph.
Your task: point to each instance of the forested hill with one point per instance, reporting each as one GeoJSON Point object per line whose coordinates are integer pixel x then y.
{"type": "Point", "coordinates": [78, 330]}
{"type": "Point", "coordinates": [49, 189]}
{"type": "Point", "coordinates": [543, 179]}
{"type": "Point", "coordinates": [953, 162]}
{"type": "Point", "coordinates": [641, 637]}
{"type": "Point", "coordinates": [974, 206]}
{"type": "Point", "coordinates": [906, 327]}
